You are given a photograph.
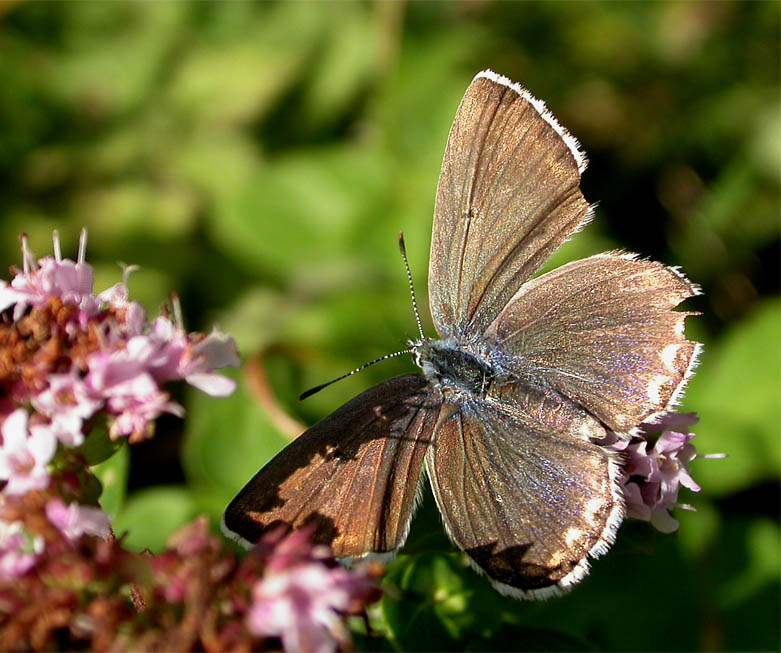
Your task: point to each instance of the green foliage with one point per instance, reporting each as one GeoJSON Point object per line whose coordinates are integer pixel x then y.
{"type": "Point", "coordinates": [259, 159]}
{"type": "Point", "coordinates": [99, 447]}
{"type": "Point", "coordinates": [150, 516]}
{"type": "Point", "coordinates": [112, 474]}
{"type": "Point", "coordinates": [737, 398]}
{"type": "Point", "coordinates": [227, 441]}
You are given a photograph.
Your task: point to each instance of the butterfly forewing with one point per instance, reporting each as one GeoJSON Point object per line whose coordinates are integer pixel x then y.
{"type": "Point", "coordinates": [523, 490]}
{"type": "Point", "coordinates": [602, 332]}
{"type": "Point", "coordinates": [352, 476]}
{"type": "Point", "coordinates": [508, 196]}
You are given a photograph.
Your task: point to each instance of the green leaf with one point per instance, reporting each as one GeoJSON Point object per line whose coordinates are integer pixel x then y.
{"type": "Point", "coordinates": [150, 516]}
{"type": "Point", "coordinates": [699, 528]}
{"type": "Point", "coordinates": [254, 226]}
{"type": "Point", "coordinates": [99, 446]}
{"type": "Point", "coordinates": [344, 64]}
{"type": "Point", "coordinates": [742, 570]}
{"type": "Point", "coordinates": [262, 62]}
{"type": "Point", "coordinates": [112, 474]}
{"type": "Point", "coordinates": [226, 441]}
{"type": "Point", "coordinates": [735, 394]}
{"type": "Point", "coordinates": [91, 488]}
{"type": "Point", "coordinates": [139, 207]}
{"type": "Point", "coordinates": [256, 318]}
{"type": "Point", "coordinates": [760, 541]}
{"type": "Point", "coordinates": [218, 163]}
{"type": "Point", "coordinates": [514, 638]}
{"type": "Point", "coordinates": [370, 644]}
{"type": "Point", "coordinates": [114, 54]}
{"type": "Point", "coordinates": [433, 601]}
{"type": "Point", "coordinates": [409, 606]}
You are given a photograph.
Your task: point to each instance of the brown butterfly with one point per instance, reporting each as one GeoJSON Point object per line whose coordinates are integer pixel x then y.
{"type": "Point", "coordinates": [528, 374]}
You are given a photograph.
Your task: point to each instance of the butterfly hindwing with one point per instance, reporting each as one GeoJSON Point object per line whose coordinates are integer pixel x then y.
{"type": "Point", "coordinates": [523, 490]}
{"type": "Point", "coordinates": [603, 332]}
{"type": "Point", "coordinates": [352, 476]}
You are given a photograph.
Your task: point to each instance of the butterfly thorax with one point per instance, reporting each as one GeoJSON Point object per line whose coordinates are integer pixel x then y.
{"type": "Point", "coordinates": [449, 365]}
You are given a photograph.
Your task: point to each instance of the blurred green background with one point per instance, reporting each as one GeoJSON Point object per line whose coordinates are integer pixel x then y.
{"type": "Point", "coordinates": [260, 159]}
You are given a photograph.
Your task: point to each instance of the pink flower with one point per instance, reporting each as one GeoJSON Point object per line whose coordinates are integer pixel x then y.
{"type": "Point", "coordinates": [137, 405]}
{"type": "Point", "coordinates": [656, 469]}
{"type": "Point", "coordinates": [67, 402]}
{"type": "Point", "coordinates": [128, 378]}
{"type": "Point", "coordinates": [132, 395]}
{"type": "Point", "coordinates": [116, 298]}
{"type": "Point", "coordinates": [302, 600]}
{"type": "Point", "coordinates": [123, 378]}
{"type": "Point", "coordinates": [24, 456]}
{"type": "Point", "coordinates": [19, 550]}
{"type": "Point", "coordinates": [178, 357]}
{"type": "Point", "coordinates": [75, 520]}
{"type": "Point", "coordinates": [215, 351]}
{"type": "Point", "coordinates": [51, 277]}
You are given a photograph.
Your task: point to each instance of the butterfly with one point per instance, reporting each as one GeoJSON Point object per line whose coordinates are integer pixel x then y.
{"type": "Point", "coordinates": [526, 377]}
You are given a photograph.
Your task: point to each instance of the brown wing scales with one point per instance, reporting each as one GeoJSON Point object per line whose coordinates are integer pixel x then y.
{"type": "Point", "coordinates": [353, 475]}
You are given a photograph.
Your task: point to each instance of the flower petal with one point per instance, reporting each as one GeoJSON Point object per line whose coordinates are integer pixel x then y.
{"type": "Point", "coordinates": [15, 431]}
{"type": "Point", "coordinates": [663, 521]}
{"type": "Point", "coordinates": [215, 385]}
{"type": "Point", "coordinates": [42, 444]}
{"type": "Point", "coordinates": [218, 349]}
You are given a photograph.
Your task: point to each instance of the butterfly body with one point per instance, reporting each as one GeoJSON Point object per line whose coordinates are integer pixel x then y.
{"type": "Point", "coordinates": [452, 368]}
{"type": "Point", "coordinates": [529, 376]}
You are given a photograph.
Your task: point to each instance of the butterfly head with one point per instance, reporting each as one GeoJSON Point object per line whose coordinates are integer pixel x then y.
{"type": "Point", "coordinates": [449, 365]}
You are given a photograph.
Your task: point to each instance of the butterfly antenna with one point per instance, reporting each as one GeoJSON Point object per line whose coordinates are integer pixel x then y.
{"type": "Point", "coordinates": [318, 388]}
{"type": "Point", "coordinates": [403, 249]}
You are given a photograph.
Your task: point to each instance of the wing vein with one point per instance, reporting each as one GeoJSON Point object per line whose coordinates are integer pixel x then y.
{"type": "Point", "coordinates": [512, 253]}
{"type": "Point", "coordinates": [473, 179]}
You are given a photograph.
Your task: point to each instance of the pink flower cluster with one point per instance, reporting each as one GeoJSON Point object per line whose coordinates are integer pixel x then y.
{"type": "Point", "coordinates": [192, 596]}
{"type": "Point", "coordinates": [302, 599]}
{"type": "Point", "coordinates": [51, 277]}
{"type": "Point", "coordinates": [19, 550]}
{"type": "Point", "coordinates": [25, 454]}
{"type": "Point", "coordinates": [74, 520]}
{"type": "Point", "coordinates": [119, 371]}
{"type": "Point", "coordinates": [127, 376]}
{"type": "Point", "coordinates": [95, 355]}
{"type": "Point", "coordinates": [656, 466]}
{"type": "Point", "coordinates": [70, 359]}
